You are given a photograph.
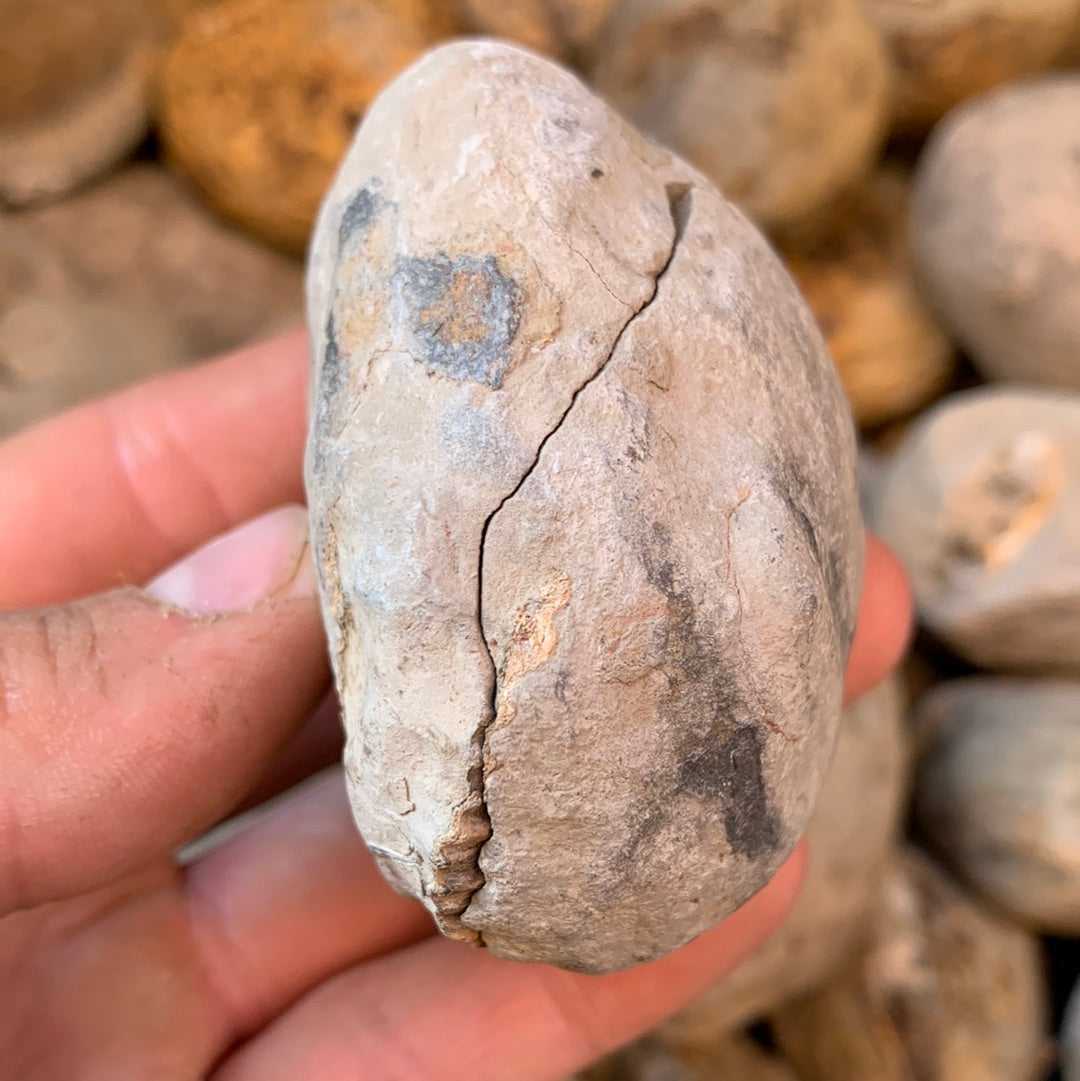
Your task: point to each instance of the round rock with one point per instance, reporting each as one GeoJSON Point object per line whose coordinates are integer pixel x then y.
{"type": "Point", "coordinates": [981, 502]}
{"type": "Point", "coordinates": [558, 27]}
{"type": "Point", "coordinates": [946, 989]}
{"type": "Point", "coordinates": [76, 88]}
{"type": "Point", "coordinates": [780, 102]}
{"type": "Point", "coordinates": [857, 278]}
{"type": "Point", "coordinates": [581, 478]}
{"type": "Point", "coordinates": [259, 98]}
{"type": "Point", "coordinates": [996, 230]}
{"type": "Point", "coordinates": [141, 238]}
{"type": "Point", "coordinates": [949, 50]}
{"type": "Point", "coordinates": [997, 793]}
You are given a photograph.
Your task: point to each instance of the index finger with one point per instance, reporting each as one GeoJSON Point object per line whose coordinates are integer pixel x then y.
{"type": "Point", "coordinates": [113, 491]}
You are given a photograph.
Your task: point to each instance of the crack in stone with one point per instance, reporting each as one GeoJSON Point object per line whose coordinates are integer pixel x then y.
{"type": "Point", "coordinates": [679, 197]}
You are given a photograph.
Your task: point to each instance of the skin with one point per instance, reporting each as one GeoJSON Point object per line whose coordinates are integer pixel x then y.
{"type": "Point", "coordinates": [128, 727]}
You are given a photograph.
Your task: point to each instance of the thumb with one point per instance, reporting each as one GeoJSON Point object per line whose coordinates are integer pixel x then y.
{"type": "Point", "coordinates": [132, 720]}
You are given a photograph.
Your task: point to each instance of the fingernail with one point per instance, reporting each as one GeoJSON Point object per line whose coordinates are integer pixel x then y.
{"type": "Point", "coordinates": [267, 557]}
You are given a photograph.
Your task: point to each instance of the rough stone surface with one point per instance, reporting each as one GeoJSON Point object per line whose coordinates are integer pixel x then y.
{"type": "Point", "coordinates": [981, 502]}
{"type": "Point", "coordinates": [782, 103]}
{"type": "Point", "coordinates": [948, 50]}
{"type": "Point", "coordinates": [562, 28]}
{"type": "Point", "coordinates": [142, 241]}
{"type": "Point", "coordinates": [996, 230]}
{"type": "Point", "coordinates": [857, 278]}
{"type": "Point", "coordinates": [848, 855]}
{"type": "Point", "coordinates": [997, 793]}
{"type": "Point", "coordinates": [260, 98]}
{"type": "Point", "coordinates": [947, 990]}
{"type": "Point", "coordinates": [581, 479]}
{"type": "Point", "coordinates": [76, 90]}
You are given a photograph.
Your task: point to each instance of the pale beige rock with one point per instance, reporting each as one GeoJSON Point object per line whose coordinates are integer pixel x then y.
{"type": "Point", "coordinates": [849, 850]}
{"type": "Point", "coordinates": [946, 991]}
{"type": "Point", "coordinates": [57, 353]}
{"type": "Point", "coordinates": [562, 28]}
{"type": "Point", "coordinates": [141, 240]}
{"type": "Point", "coordinates": [734, 1057]}
{"type": "Point", "coordinates": [947, 50]}
{"type": "Point", "coordinates": [857, 278]}
{"type": "Point", "coordinates": [781, 102]}
{"type": "Point", "coordinates": [981, 503]}
{"type": "Point", "coordinates": [76, 90]}
{"type": "Point", "coordinates": [996, 230]}
{"type": "Point", "coordinates": [998, 793]}
{"type": "Point", "coordinates": [581, 479]}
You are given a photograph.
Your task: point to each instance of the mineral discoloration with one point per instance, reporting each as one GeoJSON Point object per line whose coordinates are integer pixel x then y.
{"type": "Point", "coordinates": [358, 215]}
{"type": "Point", "coordinates": [841, 892]}
{"type": "Point", "coordinates": [464, 311]}
{"type": "Point", "coordinates": [612, 715]}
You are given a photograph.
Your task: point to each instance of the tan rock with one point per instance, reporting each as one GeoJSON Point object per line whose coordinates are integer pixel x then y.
{"type": "Point", "coordinates": [780, 102]}
{"type": "Point", "coordinates": [75, 96]}
{"type": "Point", "coordinates": [141, 240]}
{"type": "Point", "coordinates": [581, 478]}
{"type": "Point", "coordinates": [57, 353]}
{"type": "Point", "coordinates": [892, 356]}
{"type": "Point", "coordinates": [998, 793]}
{"type": "Point", "coordinates": [996, 230]}
{"type": "Point", "coordinates": [949, 50]}
{"type": "Point", "coordinates": [981, 503]}
{"type": "Point", "coordinates": [848, 855]}
{"type": "Point", "coordinates": [260, 98]}
{"type": "Point", "coordinates": [562, 28]}
{"type": "Point", "coordinates": [946, 991]}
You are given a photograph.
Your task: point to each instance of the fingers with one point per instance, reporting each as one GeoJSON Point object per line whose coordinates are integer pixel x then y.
{"type": "Point", "coordinates": [447, 1012]}
{"type": "Point", "coordinates": [297, 897]}
{"type": "Point", "coordinates": [127, 726]}
{"type": "Point", "coordinates": [113, 491]}
{"type": "Point", "coordinates": [288, 902]}
{"type": "Point", "coordinates": [884, 625]}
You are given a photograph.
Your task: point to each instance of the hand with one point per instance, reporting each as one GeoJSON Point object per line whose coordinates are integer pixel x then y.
{"type": "Point", "coordinates": [132, 720]}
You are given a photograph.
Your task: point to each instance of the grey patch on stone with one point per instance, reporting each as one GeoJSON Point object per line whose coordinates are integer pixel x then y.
{"type": "Point", "coordinates": [463, 313]}
{"type": "Point", "coordinates": [329, 387]}
{"type": "Point", "coordinates": [732, 772]}
{"type": "Point", "coordinates": [722, 763]}
{"type": "Point", "coordinates": [358, 215]}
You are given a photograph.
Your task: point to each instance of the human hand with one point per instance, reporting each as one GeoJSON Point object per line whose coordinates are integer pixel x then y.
{"type": "Point", "coordinates": [128, 726]}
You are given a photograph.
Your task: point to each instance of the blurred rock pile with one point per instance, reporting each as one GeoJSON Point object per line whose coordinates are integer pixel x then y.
{"type": "Point", "coordinates": [917, 164]}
